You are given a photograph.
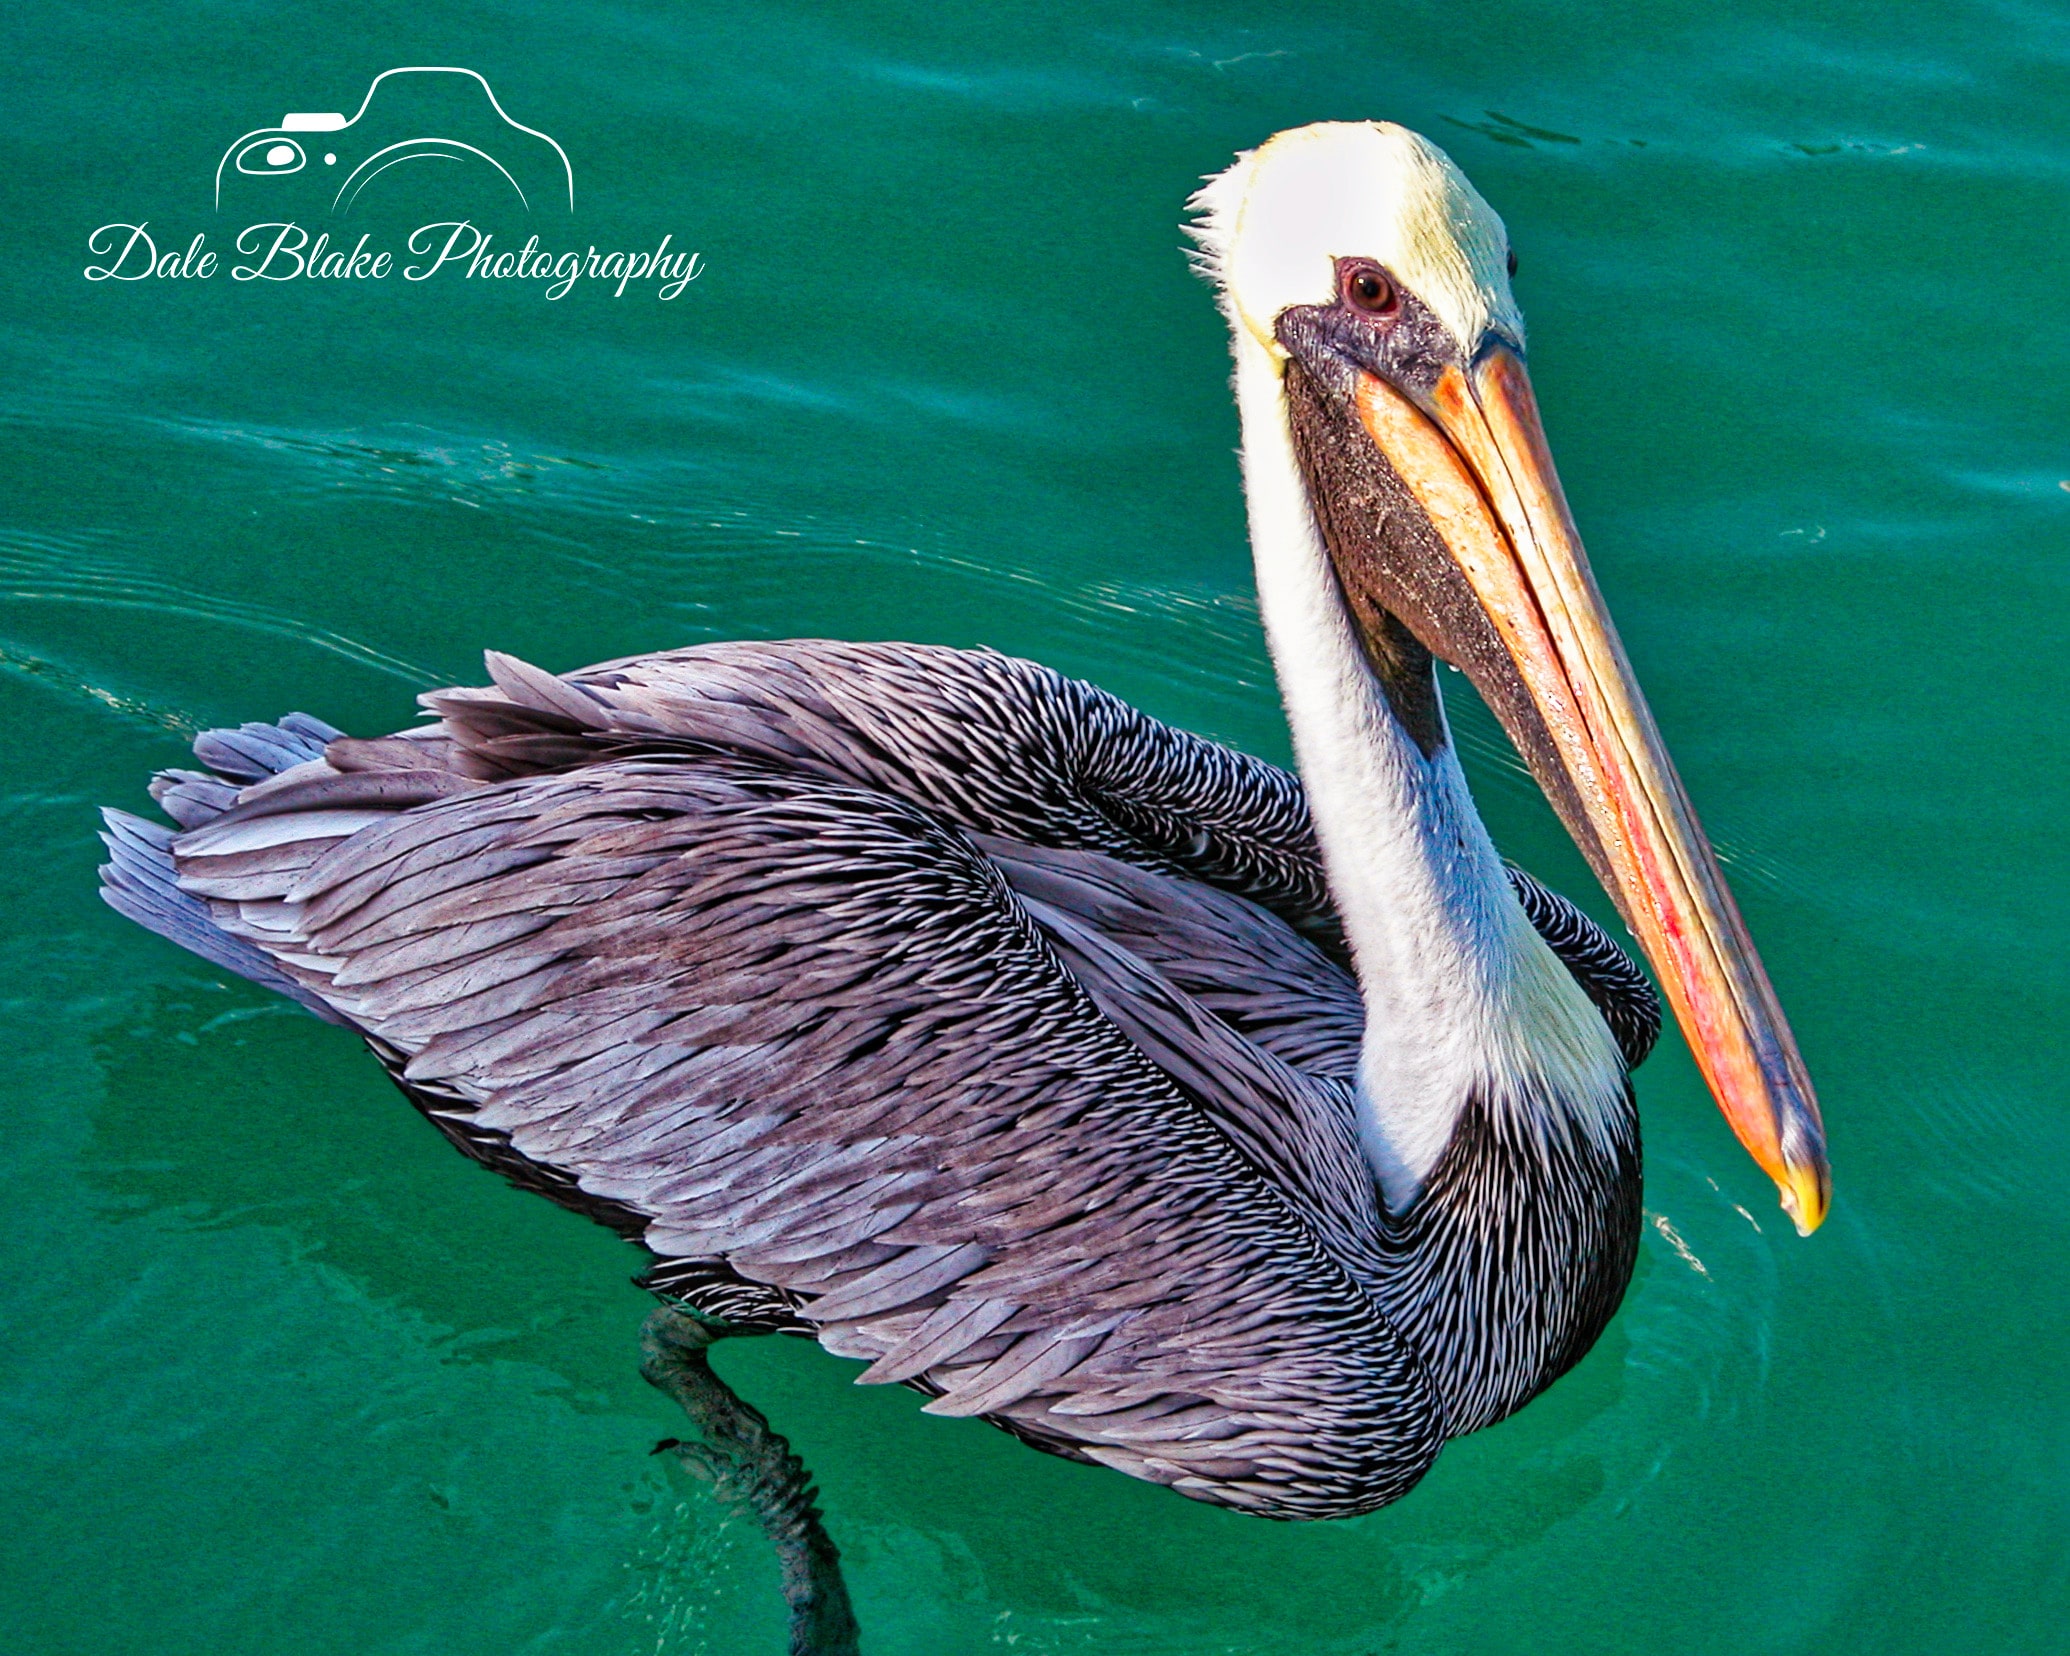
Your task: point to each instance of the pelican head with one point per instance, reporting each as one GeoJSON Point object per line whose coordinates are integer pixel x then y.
{"type": "Point", "coordinates": [1367, 287]}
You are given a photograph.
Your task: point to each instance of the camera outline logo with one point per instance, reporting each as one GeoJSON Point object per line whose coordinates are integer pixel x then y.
{"type": "Point", "coordinates": [308, 145]}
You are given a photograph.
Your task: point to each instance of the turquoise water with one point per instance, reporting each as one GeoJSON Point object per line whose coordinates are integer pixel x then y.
{"type": "Point", "coordinates": [281, 1371]}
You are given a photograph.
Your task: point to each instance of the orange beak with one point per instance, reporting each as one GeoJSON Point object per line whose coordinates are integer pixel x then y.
{"type": "Point", "coordinates": [1483, 473]}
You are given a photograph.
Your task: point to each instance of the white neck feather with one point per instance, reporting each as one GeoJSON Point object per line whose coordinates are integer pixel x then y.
{"type": "Point", "coordinates": [1461, 993]}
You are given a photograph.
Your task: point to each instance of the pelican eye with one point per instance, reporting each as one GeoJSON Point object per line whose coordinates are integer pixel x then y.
{"type": "Point", "coordinates": [1512, 261]}
{"type": "Point", "coordinates": [1370, 290]}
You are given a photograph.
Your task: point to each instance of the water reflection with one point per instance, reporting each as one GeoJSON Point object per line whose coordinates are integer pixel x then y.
{"type": "Point", "coordinates": [272, 1119]}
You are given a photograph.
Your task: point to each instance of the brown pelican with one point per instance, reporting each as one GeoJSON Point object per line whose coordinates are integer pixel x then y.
{"type": "Point", "coordinates": [1249, 1135]}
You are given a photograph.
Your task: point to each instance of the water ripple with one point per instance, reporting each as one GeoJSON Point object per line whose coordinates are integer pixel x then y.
{"type": "Point", "coordinates": [39, 568]}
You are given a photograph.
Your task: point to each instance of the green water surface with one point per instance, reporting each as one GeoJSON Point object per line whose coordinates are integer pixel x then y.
{"type": "Point", "coordinates": [281, 1372]}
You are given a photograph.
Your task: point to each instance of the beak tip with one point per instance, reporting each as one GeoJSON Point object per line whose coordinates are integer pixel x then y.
{"type": "Point", "coordinates": [1807, 1194]}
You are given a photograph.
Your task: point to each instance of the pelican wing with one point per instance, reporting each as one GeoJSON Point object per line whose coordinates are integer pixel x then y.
{"type": "Point", "coordinates": [806, 1030]}
{"type": "Point", "coordinates": [985, 741]}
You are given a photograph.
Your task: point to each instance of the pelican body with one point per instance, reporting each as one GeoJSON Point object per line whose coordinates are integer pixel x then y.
{"type": "Point", "coordinates": [1248, 1134]}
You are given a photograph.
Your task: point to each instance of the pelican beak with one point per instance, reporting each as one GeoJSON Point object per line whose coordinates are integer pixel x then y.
{"type": "Point", "coordinates": [1473, 453]}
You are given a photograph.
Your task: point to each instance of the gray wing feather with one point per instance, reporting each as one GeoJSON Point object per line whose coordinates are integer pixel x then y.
{"type": "Point", "coordinates": [138, 882]}
{"type": "Point", "coordinates": [1241, 962]}
{"type": "Point", "coordinates": [256, 751]}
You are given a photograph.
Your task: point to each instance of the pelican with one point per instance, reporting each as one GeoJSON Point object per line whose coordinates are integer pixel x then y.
{"type": "Point", "coordinates": [1249, 1135]}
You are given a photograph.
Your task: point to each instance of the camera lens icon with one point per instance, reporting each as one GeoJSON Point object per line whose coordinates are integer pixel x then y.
{"type": "Point", "coordinates": [271, 158]}
{"type": "Point", "coordinates": [440, 133]}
